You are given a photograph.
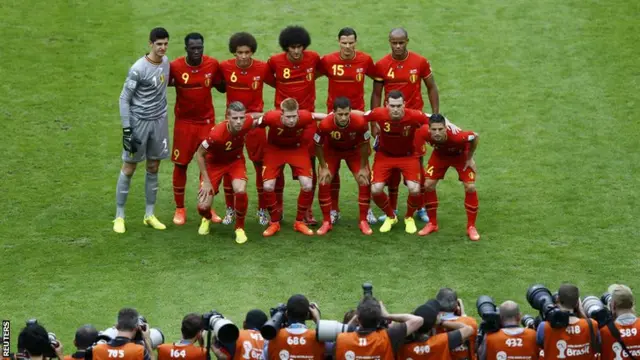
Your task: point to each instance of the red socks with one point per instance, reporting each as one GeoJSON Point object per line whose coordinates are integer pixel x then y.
{"type": "Point", "coordinates": [335, 192]}
{"type": "Point", "coordinates": [325, 200]}
{"type": "Point", "coordinates": [471, 206]}
{"type": "Point", "coordinates": [394, 184]}
{"type": "Point", "coordinates": [431, 204]}
{"type": "Point", "coordinates": [241, 203]}
{"type": "Point", "coordinates": [305, 199]}
{"type": "Point", "coordinates": [275, 211]}
{"type": "Point", "coordinates": [382, 200]}
{"type": "Point", "coordinates": [414, 202]}
{"type": "Point", "coordinates": [279, 192]}
{"type": "Point", "coordinates": [364, 198]}
{"type": "Point", "coordinates": [228, 192]}
{"type": "Point", "coordinates": [179, 182]}
{"type": "Point", "coordinates": [259, 185]}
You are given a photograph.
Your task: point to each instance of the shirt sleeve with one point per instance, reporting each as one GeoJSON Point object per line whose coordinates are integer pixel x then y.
{"type": "Point", "coordinates": [217, 73]}
{"type": "Point", "coordinates": [540, 335]}
{"type": "Point", "coordinates": [378, 75]}
{"type": "Point", "coordinates": [269, 78]}
{"type": "Point", "coordinates": [425, 68]}
{"type": "Point", "coordinates": [318, 137]}
{"type": "Point", "coordinates": [265, 351]}
{"type": "Point", "coordinates": [128, 89]}
{"type": "Point", "coordinates": [454, 338]}
{"type": "Point", "coordinates": [371, 69]}
{"type": "Point", "coordinates": [397, 333]}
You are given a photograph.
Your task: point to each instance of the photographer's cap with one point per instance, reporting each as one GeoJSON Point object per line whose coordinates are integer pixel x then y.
{"type": "Point", "coordinates": [429, 313]}
{"type": "Point", "coordinates": [621, 296]}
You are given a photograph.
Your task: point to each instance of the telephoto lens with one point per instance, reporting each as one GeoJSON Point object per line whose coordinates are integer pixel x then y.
{"type": "Point", "coordinates": [528, 321]}
{"type": "Point", "coordinates": [595, 309]}
{"type": "Point", "coordinates": [489, 313]}
{"type": "Point", "coordinates": [270, 329]}
{"type": "Point", "coordinates": [328, 330]}
{"type": "Point", "coordinates": [367, 289]}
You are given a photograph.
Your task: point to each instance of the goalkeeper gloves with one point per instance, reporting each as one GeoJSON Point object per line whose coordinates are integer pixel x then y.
{"type": "Point", "coordinates": [129, 142]}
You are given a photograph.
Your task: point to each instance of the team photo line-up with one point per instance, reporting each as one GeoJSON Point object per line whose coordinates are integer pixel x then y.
{"type": "Point", "coordinates": [567, 326]}
{"type": "Point", "coordinates": [297, 135]}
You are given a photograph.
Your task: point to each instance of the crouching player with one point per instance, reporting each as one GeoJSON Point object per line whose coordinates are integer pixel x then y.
{"type": "Point", "coordinates": [343, 136]}
{"type": "Point", "coordinates": [221, 154]}
{"type": "Point", "coordinates": [455, 150]}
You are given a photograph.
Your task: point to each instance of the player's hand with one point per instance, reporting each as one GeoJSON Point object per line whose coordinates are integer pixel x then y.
{"type": "Point", "coordinates": [452, 127]}
{"type": "Point", "coordinates": [206, 191]}
{"type": "Point", "coordinates": [470, 163]}
{"type": "Point", "coordinates": [129, 142]}
{"type": "Point", "coordinates": [363, 177]}
{"type": "Point", "coordinates": [324, 175]}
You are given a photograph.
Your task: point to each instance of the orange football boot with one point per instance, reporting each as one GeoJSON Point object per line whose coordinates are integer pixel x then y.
{"type": "Point", "coordinates": [302, 228]}
{"type": "Point", "coordinates": [215, 218]}
{"type": "Point", "coordinates": [325, 228]}
{"type": "Point", "coordinates": [272, 229]}
{"type": "Point", "coordinates": [180, 216]}
{"type": "Point", "coordinates": [473, 233]}
{"type": "Point", "coordinates": [365, 228]}
{"type": "Point", "coordinates": [428, 229]}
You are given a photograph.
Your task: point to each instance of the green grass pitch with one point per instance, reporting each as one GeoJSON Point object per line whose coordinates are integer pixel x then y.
{"type": "Point", "coordinates": [551, 86]}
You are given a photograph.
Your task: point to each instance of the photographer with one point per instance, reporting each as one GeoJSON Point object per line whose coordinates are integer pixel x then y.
{"type": "Point", "coordinates": [425, 346]}
{"type": "Point", "coordinates": [296, 340]}
{"type": "Point", "coordinates": [190, 347]}
{"type": "Point", "coordinates": [511, 340]}
{"type": "Point", "coordinates": [35, 343]}
{"type": "Point", "coordinates": [250, 342]}
{"type": "Point", "coordinates": [579, 339]}
{"type": "Point", "coordinates": [372, 340]}
{"type": "Point", "coordinates": [453, 310]}
{"type": "Point", "coordinates": [624, 330]}
{"type": "Point", "coordinates": [85, 336]}
{"type": "Point", "coordinates": [125, 344]}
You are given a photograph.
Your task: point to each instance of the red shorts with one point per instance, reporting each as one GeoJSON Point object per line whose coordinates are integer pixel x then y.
{"type": "Point", "coordinates": [438, 165]}
{"type": "Point", "coordinates": [276, 158]}
{"type": "Point", "coordinates": [384, 165]}
{"type": "Point", "coordinates": [235, 169]}
{"type": "Point", "coordinates": [256, 140]}
{"type": "Point", "coordinates": [187, 137]}
{"type": "Point", "coordinates": [333, 158]}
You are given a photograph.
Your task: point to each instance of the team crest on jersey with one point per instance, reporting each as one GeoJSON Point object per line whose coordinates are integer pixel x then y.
{"type": "Point", "coordinates": [161, 78]}
{"type": "Point", "coordinates": [359, 77]}
{"type": "Point", "coordinates": [406, 130]}
{"type": "Point", "coordinates": [255, 84]}
{"type": "Point", "coordinates": [413, 78]}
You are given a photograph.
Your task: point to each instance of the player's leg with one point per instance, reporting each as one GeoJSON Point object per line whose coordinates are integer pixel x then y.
{"type": "Point", "coordinates": [382, 168]}
{"type": "Point", "coordinates": [230, 214]}
{"type": "Point", "coordinates": [181, 155]}
{"type": "Point", "coordinates": [239, 183]}
{"type": "Point", "coordinates": [393, 185]}
{"type": "Point", "coordinates": [422, 212]}
{"type": "Point", "coordinates": [435, 170]}
{"type": "Point", "coordinates": [262, 204]}
{"type": "Point", "coordinates": [279, 191]}
{"type": "Point", "coordinates": [468, 178]}
{"type": "Point", "coordinates": [215, 173]}
{"type": "Point", "coordinates": [271, 171]}
{"type": "Point", "coordinates": [122, 191]}
{"type": "Point", "coordinates": [325, 192]}
{"type": "Point", "coordinates": [301, 168]}
{"type": "Point", "coordinates": [255, 141]}
{"type": "Point", "coordinates": [364, 193]}
{"type": "Point", "coordinates": [309, 219]}
{"type": "Point", "coordinates": [335, 197]}
{"type": "Point", "coordinates": [157, 150]}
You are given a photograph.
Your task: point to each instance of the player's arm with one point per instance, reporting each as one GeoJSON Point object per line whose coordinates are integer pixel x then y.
{"type": "Point", "coordinates": [206, 182]}
{"type": "Point", "coordinates": [324, 176]}
{"type": "Point", "coordinates": [364, 174]}
{"type": "Point", "coordinates": [472, 149]}
{"type": "Point", "coordinates": [318, 116]}
{"type": "Point", "coordinates": [128, 90]}
{"type": "Point", "coordinates": [221, 87]}
{"type": "Point", "coordinates": [432, 91]}
{"type": "Point", "coordinates": [376, 93]}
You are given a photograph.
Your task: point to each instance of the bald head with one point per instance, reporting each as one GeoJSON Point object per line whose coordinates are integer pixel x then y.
{"type": "Point", "coordinates": [509, 312]}
{"type": "Point", "coordinates": [398, 33]}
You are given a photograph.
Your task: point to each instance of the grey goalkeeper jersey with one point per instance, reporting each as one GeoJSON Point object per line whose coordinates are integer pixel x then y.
{"type": "Point", "coordinates": [144, 94]}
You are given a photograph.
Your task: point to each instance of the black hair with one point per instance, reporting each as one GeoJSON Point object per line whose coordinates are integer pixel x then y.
{"type": "Point", "coordinates": [158, 33]}
{"type": "Point", "coordinates": [86, 335]}
{"type": "Point", "coordinates": [193, 36]}
{"type": "Point", "coordinates": [429, 313]}
{"type": "Point", "coordinates": [369, 312]}
{"type": "Point", "coordinates": [127, 319]}
{"type": "Point", "coordinates": [568, 295]}
{"type": "Point", "coordinates": [347, 31]}
{"type": "Point", "coordinates": [255, 319]}
{"type": "Point", "coordinates": [34, 339]}
{"type": "Point", "coordinates": [191, 325]}
{"type": "Point", "coordinates": [395, 94]}
{"type": "Point", "coordinates": [341, 102]}
{"type": "Point", "coordinates": [297, 309]}
{"type": "Point", "coordinates": [242, 39]}
{"type": "Point", "coordinates": [294, 35]}
{"type": "Point", "coordinates": [439, 119]}
{"type": "Point", "coordinates": [447, 298]}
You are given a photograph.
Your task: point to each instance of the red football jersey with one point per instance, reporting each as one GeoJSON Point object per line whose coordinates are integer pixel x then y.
{"type": "Point", "coordinates": [295, 80]}
{"type": "Point", "coordinates": [223, 146]}
{"type": "Point", "coordinates": [404, 75]}
{"type": "Point", "coordinates": [397, 136]}
{"type": "Point", "coordinates": [455, 144]}
{"type": "Point", "coordinates": [193, 89]}
{"type": "Point", "coordinates": [245, 85]}
{"type": "Point", "coordinates": [342, 138]}
{"type": "Point", "coordinates": [282, 136]}
{"type": "Point", "coordinates": [346, 77]}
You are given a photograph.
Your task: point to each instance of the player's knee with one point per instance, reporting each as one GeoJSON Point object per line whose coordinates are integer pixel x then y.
{"type": "Point", "coordinates": [269, 186]}
{"type": "Point", "coordinates": [306, 186]}
{"type": "Point", "coordinates": [377, 188]}
{"type": "Point", "coordinates": [469, 187]}
{"type": "Point", "coordinates": [152, 166]}
{"type": "Point", "coordinates": [128, 169]}
{"type": "Point", "coordinates": [204, 209]}
{"type": "Point", "coordinates": [430, 185]}
{"type": "Point", "coordinates": [239, 188]}
{"type": "Point", "coordinates": [413, 187]}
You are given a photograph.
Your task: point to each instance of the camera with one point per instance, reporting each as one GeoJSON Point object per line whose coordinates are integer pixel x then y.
{"type": "Point", "coordinates": [277, 321]}
{"type": "Point", "coordinates": [367, 289]}
{"type": "Point", "coordinates": [156, 336]}
{"type": "Point", "coordinates": [606, 299]}
{"type": "Point", "coordinates": [489, 313]}
{"type": "Point", "coordinates": [596, 310]}
{"type": "Point", "coordinates": [222, 329]}
{"type": "Point", "coordinates": [53, 340]}
{"type": "Point", "coordinates": [540, 298]}
{"type": "Point", "coordinates": [530, 322]}
{"type": "Point", "coordinates": [328, 330]}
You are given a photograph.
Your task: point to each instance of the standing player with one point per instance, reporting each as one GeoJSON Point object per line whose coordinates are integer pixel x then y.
{"type": "Point", "coordinates": [193, 77]}
{"type": "Point", "coordinates": [223, 149]}
{"type": "Point", "coordinates": [396, 152]}
{"type": "Point", "coordinates": [403, 70]}
{"type": "Point", "coordinates": [285, 145]}
{"type": "Point", "coordinates": [145, 128]}
{"type": "Point", "coordinates": [343, 136]}
{"type": "Point", "coordinates": [346, 70]}
{"type": "Point", "coordinates": [455, 150]}
{"type": "Point", "coordinates": [295, 73]}
{"type": "Point", "coordinates": [245, 77]}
